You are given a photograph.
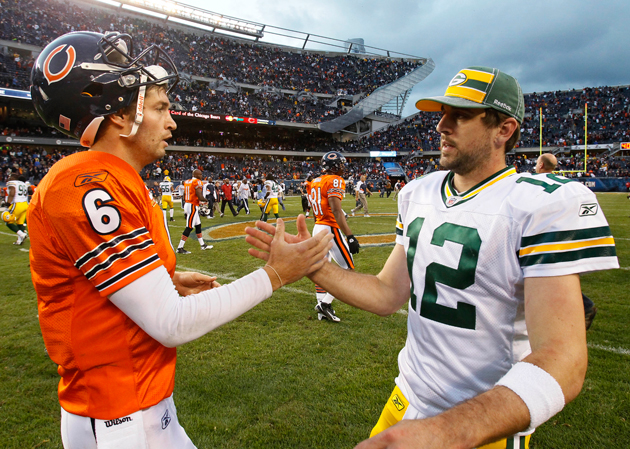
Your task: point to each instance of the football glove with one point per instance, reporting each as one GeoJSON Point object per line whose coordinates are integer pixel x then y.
{"type": "Point", "coordinates": [353, 243]}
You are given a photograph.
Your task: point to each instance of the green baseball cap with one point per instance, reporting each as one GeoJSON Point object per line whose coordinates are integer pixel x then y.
{"type": "Point", "coordinates": [480, 87]}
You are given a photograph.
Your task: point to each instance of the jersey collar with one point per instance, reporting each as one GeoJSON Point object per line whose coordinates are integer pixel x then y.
{"type": "Point", "coordinates": [451, 198]}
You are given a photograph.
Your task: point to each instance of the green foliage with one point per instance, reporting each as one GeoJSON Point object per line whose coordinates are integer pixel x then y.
{"type": "Point", "coordinates": [278, 378]}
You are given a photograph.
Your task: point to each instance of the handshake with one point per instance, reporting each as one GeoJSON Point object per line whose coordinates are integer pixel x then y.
{"type": "Point", "coordinates": [288, 257]}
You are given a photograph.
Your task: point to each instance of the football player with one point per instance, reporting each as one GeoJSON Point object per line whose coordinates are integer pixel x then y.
{"type": "Point", "coordinates": [360, 190]}
{"type": "Point", "coordinates": [166, 190]}
{"type": "Point", "coordinates": [271, 196]}
{"type": "Point", "coordinates": [326, 193]}
{"type": "Point", "coordinates": [193, 195]}
{"type": "Point", "coordinates": [111, 306]}
{"type": "Point", "coordinates": [17, 199]}
{"type": "Point", "coordinates": [488, 261]}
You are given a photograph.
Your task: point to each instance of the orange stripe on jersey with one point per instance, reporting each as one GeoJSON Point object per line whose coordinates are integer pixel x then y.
{"type": "Point", "coordinates": [341, 244]}
{"type": "Point", "coordinates": [189, 219]}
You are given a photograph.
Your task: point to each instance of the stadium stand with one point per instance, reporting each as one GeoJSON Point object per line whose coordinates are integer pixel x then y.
{"type": "Point", "coordinates": [293, 89]}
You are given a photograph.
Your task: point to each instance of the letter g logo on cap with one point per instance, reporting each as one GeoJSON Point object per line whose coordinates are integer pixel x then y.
{"type": "Point", "coordinates": [458, 79]}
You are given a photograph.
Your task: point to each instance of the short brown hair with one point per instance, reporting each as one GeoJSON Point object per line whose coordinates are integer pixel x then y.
{"type": "Point", "coordinates": [494, 118]}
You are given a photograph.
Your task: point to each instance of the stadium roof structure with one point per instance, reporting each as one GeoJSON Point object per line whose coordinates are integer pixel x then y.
{"type": "Point", "coordinates": [222, 24]}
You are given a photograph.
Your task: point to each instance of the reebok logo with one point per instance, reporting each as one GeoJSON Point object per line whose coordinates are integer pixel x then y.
{"type": "Point", "coordinates": [117, 421]}
{"type": "Point", "coordinates": [502, 105]}
{"type": "Point", "coordinates": [587, 210]}
{"type": "Point", "coordinates": [398, 403]}
{"type": "Point", "coordinates": [86, 178]}
{"type": "Point", "coordinates": [166, 420]}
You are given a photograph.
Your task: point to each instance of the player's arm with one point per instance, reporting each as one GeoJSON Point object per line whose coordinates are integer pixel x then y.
{"type": "Point", "coordinates": [335, 207]}
{"type": "Point", "coordinates": [199, 193]}
{"type": "Point", "coordinates": [153, 302]}
{"type": "Point", "coordinates": [555, 324]}
{"type": "Point", "coordinates": [382, 294]}
{"type": "Point", "coordinates": [11, 194]}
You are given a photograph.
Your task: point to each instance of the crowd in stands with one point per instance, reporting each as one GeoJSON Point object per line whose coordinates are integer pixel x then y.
{"type": "Point", "coordinates": [37, 22]}
{"type": "Point", "coordinates": [34, 163]}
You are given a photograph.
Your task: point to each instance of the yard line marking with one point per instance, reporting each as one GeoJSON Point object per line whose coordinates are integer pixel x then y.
{"type": "Point", "coordinates": [621, 351]}
{"type": "Point", "coordinates": [10, 235]}
{"type": "Point", "coordinates": [231, 277]}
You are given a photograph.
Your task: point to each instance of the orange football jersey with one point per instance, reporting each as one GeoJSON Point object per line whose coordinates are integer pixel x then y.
{"type": "Point", "coordinates": [94, 229]}
{"type": "Point", "coordinates": [190, 186]}
{"type": "Point", "coordinates": [321, 189]}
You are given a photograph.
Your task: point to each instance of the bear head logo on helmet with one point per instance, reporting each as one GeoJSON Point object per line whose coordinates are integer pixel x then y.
{"type": "Point", "coordinates": [81, 77]}
{"type": "Point", "coordinates": [333, 162]}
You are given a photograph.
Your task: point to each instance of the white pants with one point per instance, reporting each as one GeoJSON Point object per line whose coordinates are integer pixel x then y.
{"type": "Point", "coordinates": [340, 253]}
{"type": "Point", "coordinates": [192, 215]}
{"type": "Point", "coordinates": [156, 427]}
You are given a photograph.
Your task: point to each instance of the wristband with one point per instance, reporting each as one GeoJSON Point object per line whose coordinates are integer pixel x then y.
{"type": "Point", "coordinates": [538, 389]}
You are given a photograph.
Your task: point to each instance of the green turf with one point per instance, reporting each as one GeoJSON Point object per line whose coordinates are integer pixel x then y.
{"type": "Point", "coordinates": [279, 378]}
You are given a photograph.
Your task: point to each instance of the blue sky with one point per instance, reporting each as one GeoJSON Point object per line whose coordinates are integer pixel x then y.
{"type": "Point", "coordinates": [546, 45]}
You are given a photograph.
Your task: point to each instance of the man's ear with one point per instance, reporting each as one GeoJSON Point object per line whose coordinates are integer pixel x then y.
{"type": "Point", "coordinates": [121, 118]}
{"type": "Point", "coordinates": [506, 130]}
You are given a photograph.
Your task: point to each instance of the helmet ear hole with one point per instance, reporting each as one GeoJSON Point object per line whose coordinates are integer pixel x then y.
{"type": "Point", "coordinates": [92, 90]}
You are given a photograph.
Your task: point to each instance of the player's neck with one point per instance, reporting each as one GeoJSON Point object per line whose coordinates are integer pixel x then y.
{"type": "Point", "coordinates": [116, 147]}
{"type": "Point", "coordinates": [463, 183]}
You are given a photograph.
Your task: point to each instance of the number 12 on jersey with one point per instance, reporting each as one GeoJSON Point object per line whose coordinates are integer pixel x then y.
{"type": "Point", "coordinates": [464, 315]}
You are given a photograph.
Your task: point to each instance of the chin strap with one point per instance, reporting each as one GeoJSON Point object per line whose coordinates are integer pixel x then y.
{"type": "Point", "coordinates": [139, 108]}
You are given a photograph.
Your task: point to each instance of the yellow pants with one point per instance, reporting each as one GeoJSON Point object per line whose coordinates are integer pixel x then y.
{"type": "Point", "coordinates": [397, 405]}
{"type": "Point", "coordinates": [167, 202]}
{"type": "Point", "coordinates": [18, 213]}
{"type": "Point", "coordinates": [272, 205]}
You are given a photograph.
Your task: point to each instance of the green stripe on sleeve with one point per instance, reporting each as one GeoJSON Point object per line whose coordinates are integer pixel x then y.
{"type": "Point", "coordinates": [564, 236]}
{"type": "Point", "coordinates": [567, 256]}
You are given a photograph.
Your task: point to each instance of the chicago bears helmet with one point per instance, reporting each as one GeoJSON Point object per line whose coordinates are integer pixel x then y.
{"type": "Point", "coordinates": [81, 77]}
{"type": "Point", "coordinates": [167, 178]}
{"type": "Point", "coordinates": [333, 162]}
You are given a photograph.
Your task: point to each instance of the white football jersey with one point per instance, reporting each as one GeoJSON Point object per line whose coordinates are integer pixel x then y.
{"type": "Point", "coordinates": [21, 191]}
{"type": "Point", "coordinates": [166, 187]}
{"type": "Point", "coordinates": [273, 188]}
{"type": "Point", "coordinates": [467, 255]}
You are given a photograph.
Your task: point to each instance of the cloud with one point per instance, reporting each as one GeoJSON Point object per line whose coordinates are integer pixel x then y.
{"type": "Point", "coordinates": [546, 45]}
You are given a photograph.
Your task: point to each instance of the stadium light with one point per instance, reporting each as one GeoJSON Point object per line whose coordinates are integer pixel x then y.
{"type": "Point", "coordinates": [200, 16]}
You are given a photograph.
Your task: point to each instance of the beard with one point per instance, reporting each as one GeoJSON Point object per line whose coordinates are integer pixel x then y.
{"type": "Point", "coordinates": [463, 162]}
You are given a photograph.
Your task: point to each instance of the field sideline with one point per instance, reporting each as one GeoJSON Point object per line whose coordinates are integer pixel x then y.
{"type": "Point", "coordinates": [279, 378]}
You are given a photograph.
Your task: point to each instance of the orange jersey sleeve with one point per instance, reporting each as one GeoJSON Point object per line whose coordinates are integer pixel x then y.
{"type": "Point", "coordinates": [95, 229]}
{"type": "Point", "coordinates": [321, 189]}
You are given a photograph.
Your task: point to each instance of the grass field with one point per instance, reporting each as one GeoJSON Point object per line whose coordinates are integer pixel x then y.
{"type": "Point", "coordinates": [279, 378]}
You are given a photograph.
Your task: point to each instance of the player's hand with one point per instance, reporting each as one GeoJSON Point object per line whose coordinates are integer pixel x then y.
{"type": "Point", "coordinates": [408, 433]}
{"type": "Point", "coordinates": [290, 261]}
{"type": "Point", "coordinates": [190, 282]}
{"type": "Point", "coordinates": [262, 235]}
{"type": "Point", "coordinates": [353, 243]}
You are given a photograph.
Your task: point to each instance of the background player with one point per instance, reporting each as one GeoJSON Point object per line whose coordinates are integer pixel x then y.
{"type": "Point", "coordinates": [360, 191]}
{"type": "Point", "coordinates": [193, 195]}
{"type": "Point", "coordinates": [166, 190]}
{"type": "Point", "coordinates": [244, 193]}
{"type": "Point", "coordinates": [271, 196]}
{"type": "Point", "coordinates": [17, 197]}
{"type": "Point", "coordinates": [305, 188]}
{"type": "Point", "coordinates": [496, 342]}
{"type": "Point", "coordinates": [327, 192]}
{"type": "Point", "coordinates": [101, 261]}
